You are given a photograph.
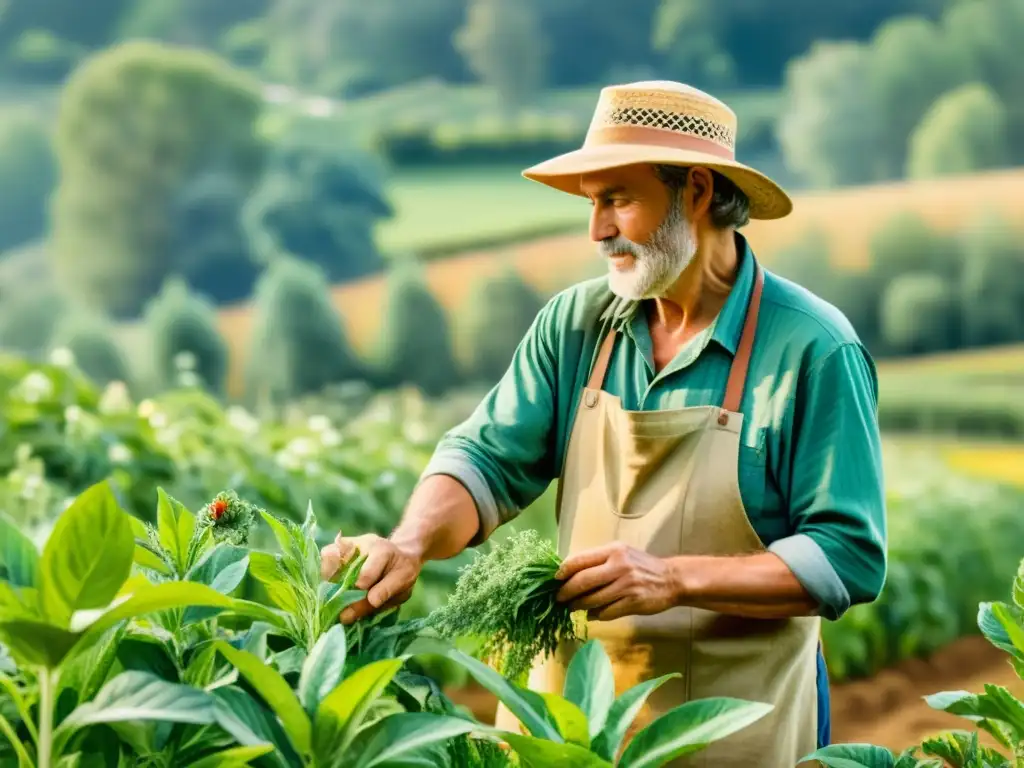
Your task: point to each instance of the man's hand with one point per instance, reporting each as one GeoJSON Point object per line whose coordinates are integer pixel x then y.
{"type": "Point", "coordinates": [617, 580]}
{"type": "Point", "coordinates": [389, 573]}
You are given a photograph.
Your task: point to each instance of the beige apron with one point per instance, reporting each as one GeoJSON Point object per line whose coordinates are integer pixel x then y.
{"type": "Point", "coordinates": [666, 482]}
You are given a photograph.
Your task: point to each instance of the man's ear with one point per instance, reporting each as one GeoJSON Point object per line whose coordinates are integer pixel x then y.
{"type": "Point", "coordinates": [700, 189]}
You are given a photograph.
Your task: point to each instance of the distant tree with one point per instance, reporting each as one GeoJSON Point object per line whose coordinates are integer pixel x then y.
{"type": "Point", "coordinates": [990, 33]}
{"type": "Point", "coordinates": [322, 204]}
{"type": "Point", "coordinates": [90, 338]}
{"type": "Point", "coordinates": [992, 289]}
{"type": "Point", "coordinates": [298, 345]}
{"type": "Point", "coordinates": [499, 312]}
{"type": "Point", "coordinates": [918, 314]}
{"type": "Point", "coordinates": [505, 47]}
{"type": "Point", "coordinates": [905, 243]}
{"type": "Point", "coordinates": [415, 346]}
{"type": "Point", "coordinates": [912, 63]}
{"type": "Point", "coordinates": [181, 322]}
{"type": "Point", "coordinates": [138, 123]}
{"type": "Point", "coordinates": [830, 125]}
{"type": "Point", "coordinates": [28, 317]}
{"type": "Point", "coordinates": [27, 176]}
{"type": "Point", "coordinates": [964, 131]}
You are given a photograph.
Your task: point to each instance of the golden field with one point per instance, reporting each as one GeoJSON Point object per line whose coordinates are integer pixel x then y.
{"type": "Point", "coordinates": [847, 218]}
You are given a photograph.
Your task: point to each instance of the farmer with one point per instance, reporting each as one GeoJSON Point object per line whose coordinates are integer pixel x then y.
{"type": "Point", "coordinates": [712, 425]}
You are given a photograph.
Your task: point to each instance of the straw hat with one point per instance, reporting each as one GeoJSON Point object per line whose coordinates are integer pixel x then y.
{"type": "Point", "coordinates": [662, 122]}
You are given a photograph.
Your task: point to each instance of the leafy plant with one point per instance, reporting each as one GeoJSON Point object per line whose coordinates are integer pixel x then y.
{"type": "Point", "coordinates": [587, 724]}
{"type": "Point", "coordinates": [996, 711]}
{"type": "Point", "coordinates": [63, 615]}
{"type": "Point", "coordinates": [506, 599]}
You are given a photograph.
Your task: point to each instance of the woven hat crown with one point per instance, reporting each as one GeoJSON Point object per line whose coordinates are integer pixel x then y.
{"type": "Point", "coordinates": [662, 105]}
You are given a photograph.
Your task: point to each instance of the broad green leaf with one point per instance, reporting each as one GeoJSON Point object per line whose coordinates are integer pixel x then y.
{"type": "Point", "coordinates": [961, 748]}
{"type": "Point", "coordinates": [322, 669]}
{"type": "Point", "coordinates": [571, 722]}
{"type": "Point", "coordinates": [251, 725]}
{"type": "Point", "coordinates": [281, 533]}
{"type": "Point", "coordinates": [541, 753]}
{"type": "Point", "coordinates": [1011, 619]}
{"type": "Point", "coordinates": [290, 660]}
{"type": "Point", "coordinates": [275, 691]}
{"type": "Point", "coordinates": [268, 570]}
{"type": "Point", "coordinates": [87, 672]}
{"type": "Point", "coordinates": [175, 526]}
{"type": "Point", "coordinates": [19, 558]}
{"type": "Point", "coordinates": [144, 557]}
{"type": "Point", "coordinates": [134, 696]}
{"type": "Point", "coordinates": [994, 630]}
{"type": "Point", "coordinates": [147, 655]}
{"type": "Point", "coordinates": [88, 555]}
{"type": "Point", "coordinates": [223, 568]}
{"type": "Point", "coordinates": [35, 643]}
{"type": "Point", "coordinates": [997, 703]}
{"type": "Point", "coordinates": [853, 756]}
{"type": "Point", "coordinates": [10, 603]}
{"type": "Point", "coordinates": [590, 684]}
{"type": "Point", "coordinates": [11, 736]}
{"type": "Point", "coordinates": [396, 738]}
{"type": "Point", "coordinates": [689, 728]}
{"type": "Point", "coordinates": [236, 757]}
{"type": "Point", "coordinates": [219, 568]}
{"type": "Point", "coordinates": [526, 705]}
{"type": "Point", "coordinates": [330, 612]}
{"type": "Point", "coordinates": [341, 713]}
{"type": "Point", "coordinates": [170, 595]}
{"type": "Point", "coordinates": [621, 716]}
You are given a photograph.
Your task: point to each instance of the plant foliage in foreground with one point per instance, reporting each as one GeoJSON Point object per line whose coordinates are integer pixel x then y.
{"type": "Point", "coordinates": [996, 711]}
{"type": "Point", "coordinates": [122, 644]}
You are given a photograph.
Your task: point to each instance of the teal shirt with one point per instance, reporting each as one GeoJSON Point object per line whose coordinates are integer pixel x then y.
{"type": "Point", "coordinates": [810, 463]}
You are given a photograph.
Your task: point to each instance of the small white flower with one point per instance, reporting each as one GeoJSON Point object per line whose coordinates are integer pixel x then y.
{"type": "Point", "coordinates": [242, 420]}
{"type": "Point", "coordinates": [35, 386]}
{"type": "Point", "coordinates": [312, 468]}
{"type": "Point", "coordinates": [330, 438]}
{"type": "Point", "coordinates": [62, 357]}
{"type": "Point", "coordinates": [387, 479]}
{"type": "Point", "coordinates": [185, 361]}
{"type": "Point", "coordinates": [189, 379]}
{"type": "Point", "coordinates": [146, 408]}
{"type": "Point", "coordinates": [115, 398]}
{"type": "Point", "coordinates": [288, 460]}
{"type": "Point", "coordinates": [118, 453]}
{"type": "Point", "coordinates": [318, 423]}
{"type": "Point", "coordinates": [301, 447]}
{"type": "Point", "coordinates": [158, 420]}
{"type": "Point", "coordinates": [72, 414]}
{"type": "Point", "coordinates": [416, 432]}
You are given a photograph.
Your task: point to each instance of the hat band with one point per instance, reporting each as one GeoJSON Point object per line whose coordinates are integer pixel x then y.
{"type": "Point", "coordinates": [636, 134]}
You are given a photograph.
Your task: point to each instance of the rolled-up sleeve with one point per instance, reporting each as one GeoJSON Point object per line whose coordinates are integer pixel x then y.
{"type": "Point", "coordinates": [503, 453]}
{"type": "Point", "coordinates": [832, 477]}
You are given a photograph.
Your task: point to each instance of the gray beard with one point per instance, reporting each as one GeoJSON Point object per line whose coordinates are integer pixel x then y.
{"type": "Point", "coordinates": [657, 263]}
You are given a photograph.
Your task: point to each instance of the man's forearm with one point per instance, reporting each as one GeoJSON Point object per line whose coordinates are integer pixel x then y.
{"type": "Point", "coordinates": [440, 520]}
{"type": "Point", "coordinates": [757, 586]}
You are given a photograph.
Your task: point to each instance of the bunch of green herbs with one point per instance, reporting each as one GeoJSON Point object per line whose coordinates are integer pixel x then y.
{"type": "Point", "coordinates": [505, 599]}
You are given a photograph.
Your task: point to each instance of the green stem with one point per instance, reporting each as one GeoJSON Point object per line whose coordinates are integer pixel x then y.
{"type": "Point", "coordinates": [24, 761]}
{"type": "Point", "coordinates": [47, 688]}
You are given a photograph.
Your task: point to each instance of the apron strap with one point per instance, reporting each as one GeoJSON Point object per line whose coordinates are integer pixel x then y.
{"type": "Point", "coordinates": [741, 362]}
{"type": "Point", "coordinates": [604, 356]}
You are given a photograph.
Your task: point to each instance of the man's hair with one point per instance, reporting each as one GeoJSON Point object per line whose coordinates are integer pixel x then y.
{"type": "Point", "coordinates": [730, 206]}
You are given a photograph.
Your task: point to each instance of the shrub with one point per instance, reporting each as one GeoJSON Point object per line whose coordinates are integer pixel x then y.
{"type": "Point", "coordinates": [992, 289]}
{"type": "Point", "coordinates": [298, 345]}
{"type": "Point", "coordinates": [180, 322]}
{"type": "Point", "coordinates": [415, 346]}
{"type": "Point", "coordinates": [90, 340]}
{"type": "Point", "coordinates": [964, 131]}
{"type": "Point", "coordinates": [917, 313]}
{"type": "Point", "coordinates": [499, 312]}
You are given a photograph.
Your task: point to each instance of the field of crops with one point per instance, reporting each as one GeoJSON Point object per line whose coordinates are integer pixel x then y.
{"type": "Point", "coordinates": [226, 624]}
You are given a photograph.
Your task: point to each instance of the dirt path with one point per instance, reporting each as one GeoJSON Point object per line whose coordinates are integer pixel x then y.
{"type": "Point", "coordinates": [888, 709]}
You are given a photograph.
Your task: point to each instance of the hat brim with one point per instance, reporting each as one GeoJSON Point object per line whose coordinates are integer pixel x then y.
{"type": "Point", "coordinates": [767, 199]}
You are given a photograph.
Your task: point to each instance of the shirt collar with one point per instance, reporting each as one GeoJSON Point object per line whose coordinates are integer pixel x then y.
{"type": "Point", "coordinates": [728, 325]}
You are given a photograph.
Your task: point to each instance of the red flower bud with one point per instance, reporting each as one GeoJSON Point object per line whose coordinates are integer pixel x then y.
{"type": "Point", "coordinates": [218, 508]}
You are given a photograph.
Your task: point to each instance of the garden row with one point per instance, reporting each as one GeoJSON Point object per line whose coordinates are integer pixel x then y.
{"type": "Point", "coordinates": [356, 457]}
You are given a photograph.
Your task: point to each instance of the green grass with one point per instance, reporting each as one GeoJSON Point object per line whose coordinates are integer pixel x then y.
{"type": "Point", "coordinates": [476, 207]}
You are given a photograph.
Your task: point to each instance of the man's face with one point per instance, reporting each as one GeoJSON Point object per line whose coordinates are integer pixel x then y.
{"type": "Point", "coordinates": [640, 228]}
